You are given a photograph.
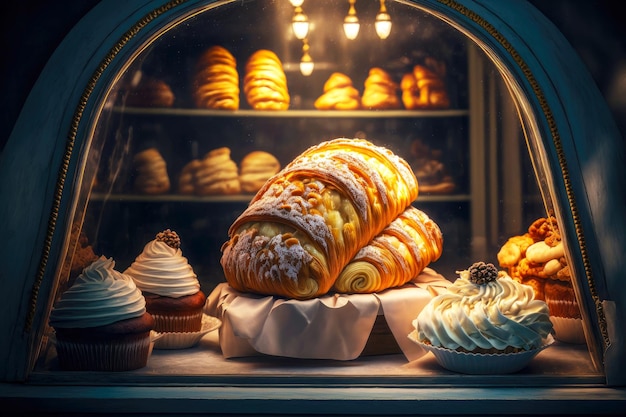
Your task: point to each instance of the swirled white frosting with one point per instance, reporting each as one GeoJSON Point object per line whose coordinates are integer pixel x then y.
{"type": "Point", "coordinates": [99, 296]}
{"type": "Point", "coordinates": [496, 315]}
{"type": "Point", "coordinates": [163, 270]}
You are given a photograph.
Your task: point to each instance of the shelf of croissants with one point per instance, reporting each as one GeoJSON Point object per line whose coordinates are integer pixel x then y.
{"type": "Point", "coordinates": [217, 177]}
{"type": "Point", "coordinates": [218, 87]}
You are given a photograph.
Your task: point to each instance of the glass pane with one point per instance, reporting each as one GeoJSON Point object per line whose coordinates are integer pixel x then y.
{"type": "Point", "coordinates": [164, 141]}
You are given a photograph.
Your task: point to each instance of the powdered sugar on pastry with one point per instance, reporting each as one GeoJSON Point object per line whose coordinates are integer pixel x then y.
{"type": "Point", "coordinates": [324, 206]}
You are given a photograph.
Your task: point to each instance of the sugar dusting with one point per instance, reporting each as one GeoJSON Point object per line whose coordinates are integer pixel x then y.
{"type": "Point", "coordinates": [296, 215]}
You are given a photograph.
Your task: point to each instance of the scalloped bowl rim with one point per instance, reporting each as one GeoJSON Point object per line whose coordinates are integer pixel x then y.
{"type": "Point", "coordinates": [474, 363]}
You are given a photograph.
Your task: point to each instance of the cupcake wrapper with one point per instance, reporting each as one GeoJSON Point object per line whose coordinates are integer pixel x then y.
{"type": "Point", "coordinates": [568, 330]}
{"type": "Point", "coordinates": [102, 356]}
{"type": "Point", "coordinates": [563, 308]}
{"type": "Point", "coordinates": [183, 323]}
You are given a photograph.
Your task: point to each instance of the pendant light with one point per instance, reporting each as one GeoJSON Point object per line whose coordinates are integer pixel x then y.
{"type": "Point", "coordinates": [300, 23]}
{"type": "Point", "coordinates": [383, 22]}
{"type": "Point", "coordinates": [351, 24]}
{"type": "Point", "coordinates": [306, 63]}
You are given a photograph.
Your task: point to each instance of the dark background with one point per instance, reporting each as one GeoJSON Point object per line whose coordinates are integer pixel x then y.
{"type": "Point", "coordinates": [32, 29]}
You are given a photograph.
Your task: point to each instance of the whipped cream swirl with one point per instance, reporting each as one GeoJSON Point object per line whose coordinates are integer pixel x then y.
{"type": "Point", "coordinates": [163, 270]}
{"type": "Point", "coordinates": [99, 296]}
{"type": "Point", "coordinates": [498, 314]}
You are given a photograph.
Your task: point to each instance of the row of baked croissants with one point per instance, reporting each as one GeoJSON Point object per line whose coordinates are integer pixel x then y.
{"type": "Point", "coordinates": [216, 81]}
{"type": "Point", "coordinates": [339, 217]}
{"type": "Point", "coordinates": [216, 173]}
{"type": "Point", "coordinates": [216, 85]}
{"type": "Point", "coordinates": [419, 89]}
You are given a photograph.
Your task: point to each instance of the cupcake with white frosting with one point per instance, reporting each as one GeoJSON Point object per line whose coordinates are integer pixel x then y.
{"type": "Point", "coordinates": [169, 285]}
{"type": "Point", "coordinates": [101, 322]}
{"type": "Point", "coordinates": [486, 322]}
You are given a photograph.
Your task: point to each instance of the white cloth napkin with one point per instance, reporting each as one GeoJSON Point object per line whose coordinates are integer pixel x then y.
{"type": "Point", "coordinates": [335, 326]}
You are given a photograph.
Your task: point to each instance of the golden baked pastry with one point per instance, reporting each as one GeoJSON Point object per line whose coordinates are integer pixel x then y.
{"type": "Point", "coordinates": [423, 89]}
{"type": "Point", "coordinates": [395, 256]}
{"type": "Point", "coordinates": [187, 177]}
{"type": "Point", "coordinates": [512, 252]}
{"type": "Point", "coordinates": [304, 226]}
{"type": "Point", "coordinates": [215, 174]}
{"type": "Point", "coordinates": [431, 173]}
{"type": "Point", "coordinates": [255, 169]}
{"type": "Point", "coordinates": [150, 172]}
{"type": "Point", "coordinates": [150, 92]}
{"type": "Point", "coordinates": [537, 258]}
{"type": "Point", "coordinates": [265, 83]}
{"type": "Point", "coordinates": [216, 80]}
{"type": "Point", "coordinates": [339, 94]}
{"type": "Point", "coordinates": [380, 92]}
{"type": "Point", "coordinates": [542, 264]}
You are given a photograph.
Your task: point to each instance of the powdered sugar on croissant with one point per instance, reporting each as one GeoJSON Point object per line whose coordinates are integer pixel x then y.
{"type": "Point", "coordinates": [309, 220]}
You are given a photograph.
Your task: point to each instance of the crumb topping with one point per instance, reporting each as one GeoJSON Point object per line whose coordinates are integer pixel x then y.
{"type": "Point", "coordinates": [546, 229]}
{"type": "Point", "coordinates": [169, 237]}
{"type": "Point", "coordinates": [481, 273]}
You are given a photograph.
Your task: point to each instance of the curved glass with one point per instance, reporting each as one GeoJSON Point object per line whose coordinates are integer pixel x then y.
{"type": "Point", "coordinates": [171, 126]}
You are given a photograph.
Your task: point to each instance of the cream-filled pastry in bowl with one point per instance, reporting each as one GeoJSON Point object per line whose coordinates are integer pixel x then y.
{"type": "Point", "coordinates": [484, 319]}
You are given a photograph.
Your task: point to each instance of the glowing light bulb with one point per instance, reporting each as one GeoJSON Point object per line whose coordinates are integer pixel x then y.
{"type": "Point", "coordinates": [306, 63]}
{"type": "Point", "coordinates": [300, 24]}
{"type": "Point", "coordinates": [351, 24]}
{"type": "Point", "coordinates": [383, 22]}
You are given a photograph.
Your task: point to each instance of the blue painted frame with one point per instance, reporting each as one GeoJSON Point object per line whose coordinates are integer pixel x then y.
{"type": "Point", "coordinates": [586, 157]}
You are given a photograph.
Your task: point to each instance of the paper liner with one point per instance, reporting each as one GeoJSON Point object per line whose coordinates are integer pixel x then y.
{"type": "Point", "coordinates": [568, 330]}
{"type": "Point", "coordinates": [563, 308]}
{"type": "Point", "coordinates": [154, 336]}
{"type": "Point", "coordinates": [102, 356]}
{"type": "Point", "coordinates": [481, 363]}
{"type": "Point", "coordinates": [184, 340]}
{"type": "Point", "coordinates": [165, 323]}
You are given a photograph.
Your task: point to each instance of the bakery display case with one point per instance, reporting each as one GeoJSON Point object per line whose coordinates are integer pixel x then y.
{"type": "Point", "coordinates": [187, 112]}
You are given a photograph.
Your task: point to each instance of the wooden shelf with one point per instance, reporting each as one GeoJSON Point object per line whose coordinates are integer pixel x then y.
{"type": "Point", "coordinates": [368, 114]}
{"type": "Point", "coordinates": [237, 198]}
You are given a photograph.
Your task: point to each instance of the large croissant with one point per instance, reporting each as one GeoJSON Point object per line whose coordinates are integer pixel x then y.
{"type": "Point", "coordinates": [309, 220]}
{"type": "Point", "coordinates": [395, 256]}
